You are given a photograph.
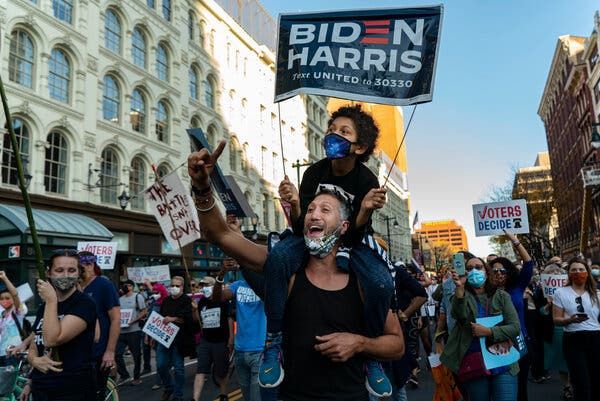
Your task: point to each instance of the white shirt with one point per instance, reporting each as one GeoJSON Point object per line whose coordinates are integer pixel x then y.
{"type": "Point", "coordinates": [564, 298]}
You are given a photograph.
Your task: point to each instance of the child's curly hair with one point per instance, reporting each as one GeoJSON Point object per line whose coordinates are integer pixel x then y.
{"type": "Point", "coordinates": [367, 129]}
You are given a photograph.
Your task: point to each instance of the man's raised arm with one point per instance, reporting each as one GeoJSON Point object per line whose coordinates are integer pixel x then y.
{"type": "Point", "coordinates": [200, 166]}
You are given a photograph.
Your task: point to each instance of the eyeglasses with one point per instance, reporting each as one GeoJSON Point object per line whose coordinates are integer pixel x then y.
{"type": "Point", "coordinates": [500, 270]}
{"type": "Point", "coordinates": [579, 302]}
{"type": "Point", "coordinates": [65, 252]}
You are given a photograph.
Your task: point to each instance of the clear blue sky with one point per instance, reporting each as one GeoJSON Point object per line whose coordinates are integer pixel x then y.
{"type": "Point", "coordinates": [482, 123]}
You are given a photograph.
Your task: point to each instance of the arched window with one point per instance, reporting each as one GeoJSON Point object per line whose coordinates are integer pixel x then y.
{"type": "Point", "coordinates": [138, 48]}
{"type": "Point", "coordinates": [112, 31]}
{"type": "Point", "coordinates": [20, 59]}
{"type": "Point", "coordinates": [166, 9]}
{"type": "Point", "coordinates": [191, 20]}
{"type": "Point", "coordinates": [9, 163]}
{"type": "Point", "coordinates": [55, 165]}
{"type": "Point", "coordinates": [233, 154]}
{"type": "Point", "coordinates": [193, 83]}
{"type": "Point", "coordinates": [63, 10]}
{"type": "Point", "coordinates": [138, 112]}
{"type": "Point", "coordinates": [162, 63]}
{"type": "Point", "coordinates": [162, 170]}
{"type": "Point", "coordinates": [111, 95]}
{"type": "Point", "coordinates": [211, 135]}
{"type": "Point", "coordinates": [162, 122]}
{"type": "Point", "coordinates": [209, 93]}
{"type": "Point", "coordinates": [195, 122]}
{"type": "Point", "coordinates": [60, 75]}
{"type": "Point", "coordinates": [137, 182]}
{"type": "Point", "coordinates": [265, 208]}
{"type": "Point", "coordinates": [109, 170]}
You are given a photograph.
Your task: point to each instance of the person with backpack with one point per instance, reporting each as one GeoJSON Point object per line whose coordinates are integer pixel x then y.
{"type": "Point", "coordinates": [11, 320]}
{"type": "Point", "coordinates": [133, 311]}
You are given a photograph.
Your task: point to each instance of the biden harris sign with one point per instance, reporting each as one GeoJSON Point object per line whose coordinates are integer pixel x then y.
{"type": "Point", "coordinates": [383, 56]}
{"type": "Point", "coordinates": [493, 218]}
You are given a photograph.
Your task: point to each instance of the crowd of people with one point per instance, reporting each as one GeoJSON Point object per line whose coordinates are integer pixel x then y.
{"type": "Point", "coordinates": [323, 315]}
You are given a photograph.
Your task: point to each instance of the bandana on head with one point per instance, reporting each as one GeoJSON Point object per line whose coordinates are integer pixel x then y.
{"type": "Point", "coordinates": [87, 259]}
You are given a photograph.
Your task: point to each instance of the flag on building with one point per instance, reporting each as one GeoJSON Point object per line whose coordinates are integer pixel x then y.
{"type": "Point", "coordinates": [415, 220]}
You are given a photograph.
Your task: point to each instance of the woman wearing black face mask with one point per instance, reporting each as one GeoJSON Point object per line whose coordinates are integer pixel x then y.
{"type": "Point", "coordinates": [61, 353]}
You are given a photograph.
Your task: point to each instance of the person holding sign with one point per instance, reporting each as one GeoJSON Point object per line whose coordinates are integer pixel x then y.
{"type": "Point", "coordinates": [576, 307]}
{"type": "Point", "coordinates": [11, 319]}
{"type": "Point", "coordinates": [131, 333]}
{"type": "Point", "coordinates": [324, 327]}
{"type": "Point", "coordinates": [350, 139]}
{"type": "Point", "coordinates": [477, 297]}
{"type": "Point", "coordinates": [61, 353]}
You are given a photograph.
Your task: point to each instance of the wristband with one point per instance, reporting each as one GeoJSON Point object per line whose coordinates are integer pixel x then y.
{"type": "Point", "coordinates": [219, 281]}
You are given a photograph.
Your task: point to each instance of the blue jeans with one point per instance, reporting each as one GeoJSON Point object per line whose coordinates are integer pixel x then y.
{"type": "Point", "coordinates": [248, 365]}
{"type": "Point", "coordinates": [165, 357]}
{"type": "Point", "coordinates": [375, 280]}
{"type": "Point", "coordinates": [502, 387]}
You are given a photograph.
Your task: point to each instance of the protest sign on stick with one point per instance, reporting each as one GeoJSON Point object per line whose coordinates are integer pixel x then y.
{"type": "Point", "coordinates": [161, 332]}
{"type": "Point", "coordinates": [106, 252]}
{"type": "Point", "coordinates": [153, 273]}
{"type": "Point", "coordinates": [494, 218]}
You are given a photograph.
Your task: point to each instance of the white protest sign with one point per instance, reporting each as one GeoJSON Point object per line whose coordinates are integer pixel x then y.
{"type": "Point", "coordinates": [170, 194]}
{"type": "Point", "coordinates": [161, 332]}
{"type": "Point", "coordinates": [25, 292]}
{"type": "Point", "coordinates": [126, 315]}
{"type": "Point", "coordinates": [211, 318]}
{"type": "Point", "coordinates": [550, 282]}
{"type": "Point", "coordinates": [152, 273]}
{"type": "Point", "coordinates": [493, 218]}
{"type": "Point", "coordinates": [507, 251]}
{"type": "Point", "coordinates": [106, 252]}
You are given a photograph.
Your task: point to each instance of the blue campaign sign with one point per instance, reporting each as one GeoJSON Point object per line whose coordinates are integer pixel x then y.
{"type": "Point", "coordinates": [497, 354]}
{"type": "Point", "coordinates": [383, 56]}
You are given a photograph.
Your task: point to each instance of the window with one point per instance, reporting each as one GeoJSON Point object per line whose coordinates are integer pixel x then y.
{"type": "Point", "coordinates": [209, 93]}
{"type": "Point", "coordinates": [110, 99]}
{"type": "Point", "coordinates": [9, 163]}
{"type": "Point", "coordinates": [138, 112]}
{"type": "Point", "coordinates": [63, 10]}
{"type": "Point", "coordinates": [20, 59]}
{"type": "Point", "coordinates": [166, 9]}
{"type": "Point", "coordinates": [193, 83]}
{"type": "Point", "coordinates": [150, 3]}
{"type": "Point", "coordinates": [137, 182]}
{"type": "Point", "coordinates": [162, 170]}
{"type": "Point", "coordinates": [109, 178]}
{"type": "Point", "coordinates": [59, 77]}
{"type": "Point", "coordinates": [162, 122]}
{"type": "Point", "coordinates": [191, 18]}
{"type": "Point", "coordinates": [195, 123]}
{"type": "Point", "coordinates": [138, 48]}
{"type": "Point", "coordinates": [55, 166]}
{"type": "Point", "coordinates": [263, 162]}
{"type": "Point", "coordinates": [162, 63]}
{"type": "Point", "coordinates": [112, 31]}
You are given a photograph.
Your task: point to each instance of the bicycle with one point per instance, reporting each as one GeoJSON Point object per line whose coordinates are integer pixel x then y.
{"type": "Point", "coordinates": [12, 381]}
{"type": "Point", "coordinates": [112, 394]}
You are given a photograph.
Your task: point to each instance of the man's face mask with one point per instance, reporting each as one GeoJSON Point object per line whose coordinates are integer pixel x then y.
{"type": "Point", "coordinates": [206, 291]}
{"type": "Point", "coordinates": [174, 291]}
{"type": "Point", "coordinates": [336, 146]}
{"type": "Point", "coordinates": [322, 246]}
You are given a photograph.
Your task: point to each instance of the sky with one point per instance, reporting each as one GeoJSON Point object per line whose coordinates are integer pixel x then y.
{"type": "Point", "coordinates": [494, 60]}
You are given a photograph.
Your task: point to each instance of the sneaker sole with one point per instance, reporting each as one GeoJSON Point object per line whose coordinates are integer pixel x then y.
{"type": "Point", "coordinates": [277, 382]}
{"type": "Point", "coordinates": [375, 393]}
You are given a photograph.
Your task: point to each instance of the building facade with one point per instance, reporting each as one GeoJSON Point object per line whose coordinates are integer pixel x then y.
{"type": "Point", "coordinates": [567, 111]}
{"type": "Point", "coordinates": [444, 232]}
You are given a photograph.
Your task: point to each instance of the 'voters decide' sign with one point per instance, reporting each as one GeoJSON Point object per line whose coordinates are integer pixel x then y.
{"type": "Point", "coordinates": [158, 273]}
{"type": "Point", "coordinates": [106, 252]}
{"type": "Point", "coordinates": [161, 332]}
{"type": "Point", "coordinates": [493, 218]}
{"type": "Point", "coordinates": [550, 282]}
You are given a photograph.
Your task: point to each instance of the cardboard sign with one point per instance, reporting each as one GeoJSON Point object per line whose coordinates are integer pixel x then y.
{"type": "Point", "coordinates": [174, 210]}
{"type": "Point", "coordinates": [493, 218]}
{"type": "Point", "coordinates": [106, 252]}
{"type": "Point", "coordinates": [153, 273]}
{"type": "Point", "coordinates": [163, 333]}
{"type": "Point", "coordinates": [500, 354]}
{"type": "Point", "coordinates": [126, 315]}
{"type": "Point", "coordinates": [550, 282]}
{"type": "Point", "coordinates": [379, 55]}
{"type": "Point", "coordinates": [25, 292]}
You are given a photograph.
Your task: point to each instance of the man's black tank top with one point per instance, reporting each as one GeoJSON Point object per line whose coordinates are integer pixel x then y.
{"type": "Point", "coordinates": [309, 312]}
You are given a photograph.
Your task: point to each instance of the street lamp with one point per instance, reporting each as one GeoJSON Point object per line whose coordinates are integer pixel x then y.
{"type": "Point", "coordinates": [123, 199]}
{"type": "Point", "coordinates": [26, 175]}
{"type": "Point", "coordinates": [297, 166]}
{"type": "Point", "coordinates": [254, 221]}
{"type": "Point", "coordinates": [595, 142]}
{"type": "Point", "coordinates": [389, 237]}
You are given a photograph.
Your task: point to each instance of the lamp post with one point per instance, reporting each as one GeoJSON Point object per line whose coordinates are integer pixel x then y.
{"type": "Point", "coordinates": [254, 221]}
{"type": "Point", "coordinates": [123, 200]}
{"type": "Point", "coordinates": [297, 166]}
{"type": "Point", "coordinates": [389, 237]}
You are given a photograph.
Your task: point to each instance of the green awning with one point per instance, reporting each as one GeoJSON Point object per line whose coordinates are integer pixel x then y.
{"type": "Point", "coordinates": [13, 220]}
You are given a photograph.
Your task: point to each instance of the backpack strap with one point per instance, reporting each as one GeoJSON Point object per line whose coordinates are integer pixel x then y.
{"type": "Point", "coordinates": [19, 327]}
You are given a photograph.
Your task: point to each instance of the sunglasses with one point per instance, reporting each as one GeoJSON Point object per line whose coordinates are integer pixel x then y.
{"type": "Point", "coordinates": [500, 270]}
{"type": "Point", "coordinates": [579, 303]}
{"type": "Point", "coordinates": [65, 252]}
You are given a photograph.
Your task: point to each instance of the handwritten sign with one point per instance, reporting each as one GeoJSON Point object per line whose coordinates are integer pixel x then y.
{"type": "Point", "coordinates": [493, 218]}
{"type": "Point", "coordinates": [174, 210]}
{"type": "Point", "coordinates": [126, 315]}
{"type": "Point", "coordinates": [550, 282]}
{"type": "Point", "coordinates": [161, 332]}
{"type": "Point", "coordinates": [211, 318]}
{"type": "Point", "coordinates": [153, 273]}
{"type": "Point", "coordinates": [106, 252]}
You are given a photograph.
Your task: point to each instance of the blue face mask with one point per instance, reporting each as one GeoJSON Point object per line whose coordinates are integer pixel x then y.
{"type": "Point", "coordinates": [476, 278]}
{"type": "Point", "coordinates": [595, 272]}
{"type": "Point", "coordinates": [336, 146]}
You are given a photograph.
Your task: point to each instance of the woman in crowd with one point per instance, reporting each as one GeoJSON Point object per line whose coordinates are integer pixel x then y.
{"type": "Point", "coordinates": [158, 294]}
{"type": "Point", "coordinates": [576, 307]}
{"type": "Point", "coordinates": [11, 319]}
{"type": "Point", "coordinates": [61, 353]}
{"type": "Point", "coordinates": [509, 278]}
{"type": "Point", "coordinates": [477, 297]}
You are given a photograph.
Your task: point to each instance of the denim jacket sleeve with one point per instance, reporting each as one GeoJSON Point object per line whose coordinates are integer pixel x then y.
{"type": "Point", "coordinates": [510, 327]}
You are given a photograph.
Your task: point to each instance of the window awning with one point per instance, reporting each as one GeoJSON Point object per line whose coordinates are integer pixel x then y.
{"type": "Point", "coordinates": [13, 220]}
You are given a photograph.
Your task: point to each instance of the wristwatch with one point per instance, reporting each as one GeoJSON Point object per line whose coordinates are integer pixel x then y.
{"type": "Point", "coordinates": [403, 317]}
